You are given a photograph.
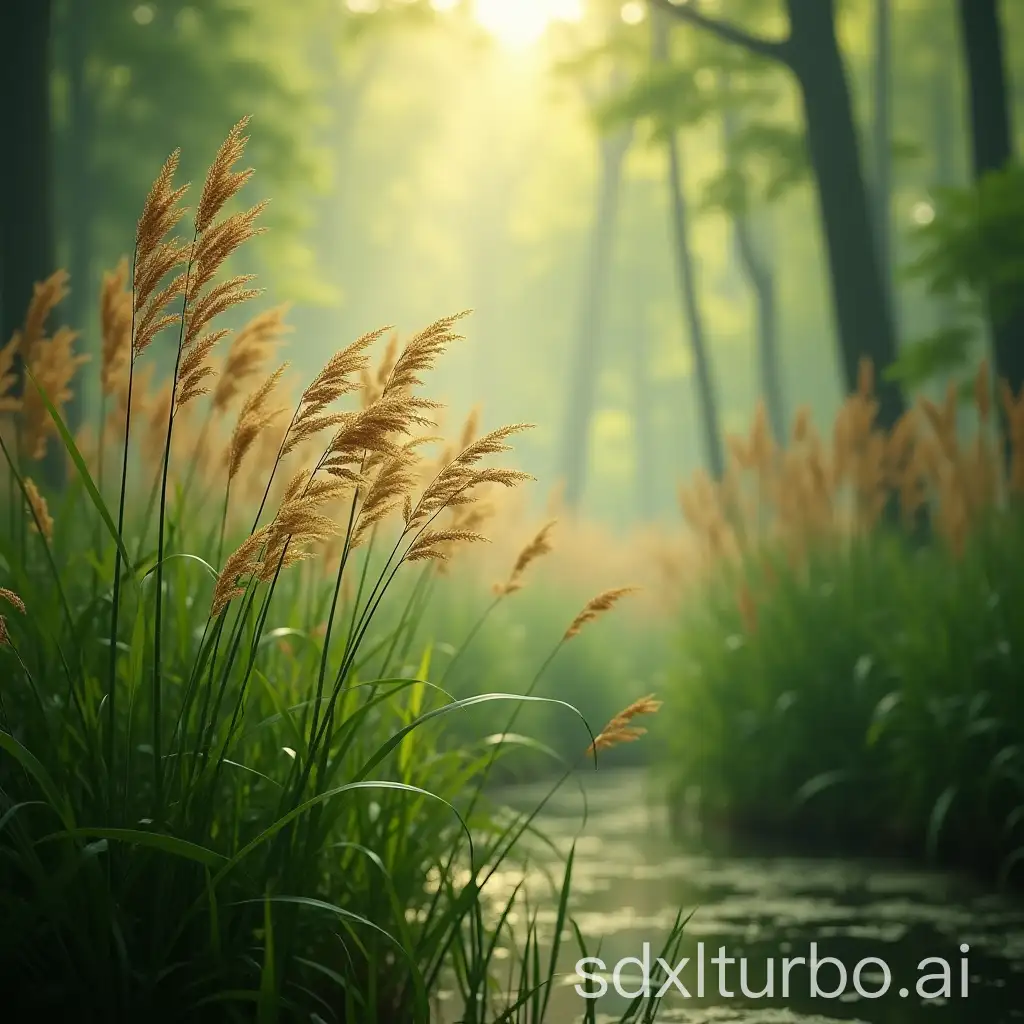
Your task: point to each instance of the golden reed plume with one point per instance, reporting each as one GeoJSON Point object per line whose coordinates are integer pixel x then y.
{"type": "Point", "coordinates": [808, 493]}
{"type": "Point", "coordinates": [596, 607]}
{"type": "Point", "coordinates": [620, 730]}
{"type": "Point", "coordinates": [539, 546]}
{"type": "Point", "coordinates": [15, 602]}
{"type": "Point", "coordinates": [42, 520]}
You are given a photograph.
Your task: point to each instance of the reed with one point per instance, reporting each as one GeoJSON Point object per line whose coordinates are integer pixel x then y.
{"type": "Point", "coordinates": [850, 672]}
{"type": "Point", "coordinates": [222, 787]}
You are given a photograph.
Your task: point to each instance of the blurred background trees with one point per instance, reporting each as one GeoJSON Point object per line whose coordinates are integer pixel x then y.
{"type": "Point", "coordinates": [660, 212]}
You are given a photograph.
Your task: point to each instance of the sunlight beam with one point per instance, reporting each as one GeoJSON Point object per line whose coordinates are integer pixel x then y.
{"type": "Point", "coordinates": [518, 24]}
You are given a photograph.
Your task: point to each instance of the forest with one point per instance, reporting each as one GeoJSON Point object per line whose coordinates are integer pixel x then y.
{"type": "Point", "coordinates": [491, 483]}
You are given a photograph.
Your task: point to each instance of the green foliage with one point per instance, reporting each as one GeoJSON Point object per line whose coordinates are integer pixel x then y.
{"type": "Point", "coordinates": [946, 351]}
{"type": "Point", "coordinates": [221, 797]}
{"type": "Point", "coordinates": [975, 243]}
{"type": "Point", "coordinates": [876, 705]}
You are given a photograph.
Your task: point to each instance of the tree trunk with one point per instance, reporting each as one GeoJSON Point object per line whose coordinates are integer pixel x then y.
{"type": "Point", "coordinates": [643, 428]}
{"type": "Point", "coordinates": [946, 170]}
{"type": "Point", "coordinates": [992, 148]}
{"type": "Point", "coordinates": [760, 274]}
{"type": "Point", "coordinates": [26, 222]}
{"type": "Point", "coordinates": [705, 393]}
{"type": "Point", "coordinates": [860, 298]}
{"type": "Point", "coordinates": [586, 360]}
{"type": "Point", "coordinates": [883, 136]}
{"type": "Point", "coordinates": [762, 280]}
{"type": "Point", "coordinates": [78, 184]}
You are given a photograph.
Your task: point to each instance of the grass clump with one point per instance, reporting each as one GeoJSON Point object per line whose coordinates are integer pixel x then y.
{"type": "Point", "coordinates": [852, 680]}
{"type": "Point", "coordinates": [225, 789]}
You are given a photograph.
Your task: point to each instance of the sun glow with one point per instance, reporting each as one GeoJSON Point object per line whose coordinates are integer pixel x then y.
{"type": "Point", "coordinates": [517, 24]}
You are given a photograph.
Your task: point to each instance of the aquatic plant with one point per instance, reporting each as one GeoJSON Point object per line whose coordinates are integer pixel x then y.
{"type": "Point", "coordinates": [226, 788]}
{"type": "Point", "coordinates": [850, 670]}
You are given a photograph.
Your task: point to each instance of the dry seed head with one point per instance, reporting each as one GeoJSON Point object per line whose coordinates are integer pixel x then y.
{"type": "Point", "coordinates": [596, 607]}
{"type": "Point", "coordinates": [221, 182]}
{"type": "Point", "coordinates": [254, 419]}
{"type": "Point", "coordinates": [12, 599]}
{"type": "Point", "coordinates": [54, 364]}
{"type": "Point", "coordinates": [195, 368]}
{"type": "Point", "coordinates": [331, 383]}
{"type": "Point", "coordinates": [434, 544]}
{"type": "Point", "coordinates": [46, 296]}
{"type": "Point", "coordinates": [421, 352]}
{"type": "Point", "coordinates": [8, 378]}
{"type": "Point", "coordinates": [620, 730]}
{"type": "Point", "coordinates": [539, 546]}
{"type": "Point", "coordinates": [115, 326]}
{"type": "Point", "coordinates": [251, 346]}
{"type": "Point", "coordinates": [217, 299]}
{"type": "Point", "coordinates": [161, 212]}
{"type": "Point", "coordinates": [156, 316]}
{"type": "Point", "coordinates": [217, 243]}
{"type": "Point", "coordinates": [244, 562]}
{"type": "Point", "coordinates": [456, 480]}
{"type": "Point", "coordinates": [373, 384]}
{"type": "Point", "coordinates": [42, 520]}
{"type": "Point", "coordinates": [389, 491]}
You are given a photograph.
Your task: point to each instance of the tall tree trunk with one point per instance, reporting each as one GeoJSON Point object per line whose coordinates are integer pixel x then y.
{"type": "Point", "coordinates": [706, 394]}
{"type": "Point", "coordinates": [762, 280]}
{"type": "Point", "coordinates": [946, 170]}
{"type": "Point", "coordinates": [26, 223]}
{"type": "Point", "coordinates": [586, 360]}
{"type": "Point", "coordinates": [883, 136]}
{"type": "Point", "coordinates": [860, 297]}
{"type": "Point", "coordinates": [761, 276]}
{"type": "Point", "coordinates": [78, 184]}
{"type": "Point", "coordinates": [643, 428]}
{"type": "Point", "coordinates": [992, 148]}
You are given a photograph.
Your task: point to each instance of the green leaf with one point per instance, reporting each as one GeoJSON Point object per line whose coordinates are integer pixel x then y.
{"type": "Point", "coordinates": [171, 845]}
{"type": "Point", "coordinates": [83, 472]}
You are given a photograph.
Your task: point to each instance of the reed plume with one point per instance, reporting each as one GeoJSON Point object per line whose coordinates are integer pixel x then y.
{"type": "Point", "coordinates": [596, 607]}
{"type": "Point", "coordinates": [334, 381]}
{"type": "Point", "coordinates": [247, 355]}
{"type": "Point", "coordinates": [42, 520]}
{"type": "Point", "coordinates": [16, 602]}
{"type": "Point", "coordinates": [537, 547]}
{"type": "Point", "coordinates": [115, 327]}
{"type": "Point", "coordinates": [254, 418]}
{"type": "Point", "coordinates": [620, 729]}
{"type": "Point", "coordinates": [245, 562]}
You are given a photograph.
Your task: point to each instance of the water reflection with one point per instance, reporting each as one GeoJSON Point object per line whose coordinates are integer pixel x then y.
{"type": "Point", "coordinates": [630, 878]}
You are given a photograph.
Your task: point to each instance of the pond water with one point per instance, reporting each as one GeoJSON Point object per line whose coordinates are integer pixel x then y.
{"type": "Point", "coordinates": [630, 878]}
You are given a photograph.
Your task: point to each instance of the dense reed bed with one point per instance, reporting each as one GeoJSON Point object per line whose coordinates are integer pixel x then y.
{"type": "Point", "coordinates": [851, 670]}
{"type": "Point", "coordinates": [228, 788]}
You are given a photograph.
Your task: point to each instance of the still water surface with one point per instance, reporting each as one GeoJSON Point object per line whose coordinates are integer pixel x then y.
{"type": "Point", "coordinates": [630, 878]}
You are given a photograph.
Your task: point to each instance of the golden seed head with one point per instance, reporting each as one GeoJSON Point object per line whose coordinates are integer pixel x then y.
{"type": "Point", "coordinates": [596, 607]}
{"type": "Point", "coordinates": [41, 518]}
{"type": "Point", "coordinates": [536, 548]}
{"type": "Point", "coordinates": [620, 730]}
{"type": "Point", "coordinates": [115, 326]}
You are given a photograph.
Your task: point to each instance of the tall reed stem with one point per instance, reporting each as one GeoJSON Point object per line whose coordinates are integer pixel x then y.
{"type": "Point", "coordinates": [158, 774]}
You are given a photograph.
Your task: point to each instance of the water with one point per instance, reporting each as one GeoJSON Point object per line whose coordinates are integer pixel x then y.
{"type": "Point", "coordinates": [630, 878]}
